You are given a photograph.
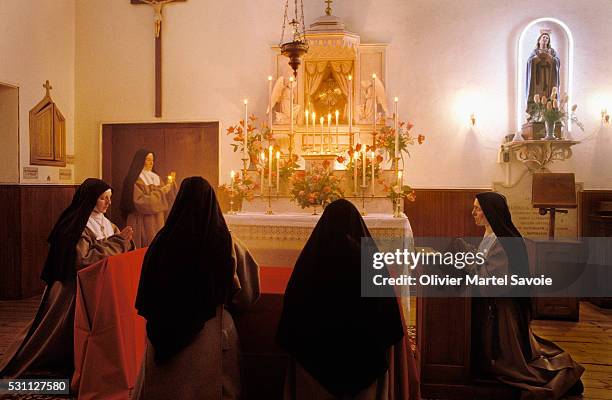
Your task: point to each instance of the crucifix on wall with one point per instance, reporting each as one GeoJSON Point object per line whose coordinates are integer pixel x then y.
{"type": "Point", "coordinates": [158, 7]}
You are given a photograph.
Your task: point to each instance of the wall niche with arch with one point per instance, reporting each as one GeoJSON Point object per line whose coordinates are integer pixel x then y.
{"type": "Point", "coordinates": [561, 40]}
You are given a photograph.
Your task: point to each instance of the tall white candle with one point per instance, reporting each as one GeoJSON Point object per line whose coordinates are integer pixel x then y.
{"type": "Point", "coordinates": [363, 166]}
{"type": "Point", "coordinates": [399, 179]}
{"type": "Point", "coordinates": [355, 160]}
{"type": "Point", "coordinates": [306, 115]}
{"type": "Point", "coordinates": [329, 136]}
{"type": "Point", "coordinates": [245, 152]}
{"type": "Point", "coordinates": [314, 130]}
{"type": "Point", "coordinates": [277, 170]}
{"type": "Point", "coordinates": [262, 157]}
{"type": "Point", "coordinates": [337, 137]}
{"type": "Point", "coordinates": [372, 173]}
{"type": "Point", "coordinates": [350, 105]}
{"type": "Point", "coordinates": [232, 178]}
{"type": "Point", "coordinates": [291, 102]}
{"type": "Point", "coordinates": [270, 101]}
{"type": "Point", "coordinates": [395, 127]}
{"type": "Point", "coordinates": [270, 166]}
{"type": "Point", "coordinates": [321, 120]}
{"type": "Point", "coordinates": [375, 106]}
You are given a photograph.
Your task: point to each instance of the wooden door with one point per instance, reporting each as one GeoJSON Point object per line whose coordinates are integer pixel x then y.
{"type": "Point", "coordinates": [189, 148]}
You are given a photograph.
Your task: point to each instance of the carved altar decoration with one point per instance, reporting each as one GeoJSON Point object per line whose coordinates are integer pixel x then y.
{"type": "Point", "coordinates": [335, 95]}
{"type": "Point", "coordinates": [47, 132]}
{"type": "Point", "coordinates": [330, 116]}
{"type": "Point", "coordinates": [537, 155]}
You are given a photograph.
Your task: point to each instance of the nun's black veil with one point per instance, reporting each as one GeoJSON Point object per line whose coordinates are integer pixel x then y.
{"type": "Point", "coordinates": [187, 271]}
{"type": "Point", "coordinates": [127, 194]}
{"type": "Point", "coordinates": [339, 337]}
{"type": "Point", "coordinates": [495, 208]}
{"type": "Point", "coordinates": [60, 262]}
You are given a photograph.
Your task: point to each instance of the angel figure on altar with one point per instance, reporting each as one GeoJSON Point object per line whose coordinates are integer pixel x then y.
{"type": "Point", "coordinates": [281, 94]}
{"type": "Point", "coordinates": [366, 109]}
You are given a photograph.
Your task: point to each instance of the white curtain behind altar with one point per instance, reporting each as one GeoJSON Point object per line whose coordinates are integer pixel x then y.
{"type": "Point", "coordinates": [315, 72]}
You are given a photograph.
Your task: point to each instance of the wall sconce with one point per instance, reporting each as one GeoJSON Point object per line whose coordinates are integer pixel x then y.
{"type": "Point", "coordinates": [473, 119]}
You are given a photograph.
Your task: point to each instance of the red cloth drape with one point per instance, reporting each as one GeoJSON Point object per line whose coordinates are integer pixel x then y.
{"type": "Point", "coordinates": [109, 337]}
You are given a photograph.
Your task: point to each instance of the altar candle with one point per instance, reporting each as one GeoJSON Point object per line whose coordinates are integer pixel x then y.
{"type": "Point", "coordinates": [270, 166]}
{"type": "Point", "coordinates": [399, 179]}
{"type": "Point", "coordinates": [363, 167]}
{"type": "Point", "coordinates": [329, 136]}
{"type": "Point", "coordinates": [262, 156]}
{"type": "Point", "coordinates": [350, 106]}
{"type": "Point", "coordinates": [395, 127]}
{"type": "Point", "coordinates": [232, 178]}
{"type": "Point", "coordinates": [321, 120]}
{"type": "Point", "coordinates": [372, 173]}
{"type": "Point", "coordinates": [277, 170]}
{"type": "Point", "coordinates": [270, 101]}
{"type": "Point", "coordinates": [375, 106]}
{"type": "Point", "coordinates": [355, 160]}
{"type": "Point", "coordinates": [291, 102]}
{"type": "Point", "coordinates": [306, 115]}
{"type": "Point", "coordinates": [314, 130]}
{"type": "Point", "coordinates": [337, 137]}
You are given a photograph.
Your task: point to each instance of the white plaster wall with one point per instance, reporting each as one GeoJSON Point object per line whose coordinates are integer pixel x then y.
{"type": "Point", "coordinates": [36, 44]}
{"type": "Point", "coordinates": [444, 56]}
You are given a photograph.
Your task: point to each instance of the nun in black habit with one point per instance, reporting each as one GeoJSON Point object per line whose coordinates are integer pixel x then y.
{"type": "Point", "coordinates": [193, 271]}
{"type": "Point", "coordinates": [341, 345]}
{"type": "Point", "coordinates": [506, 346]}
{"type": "Point", "coordinates": [81, 236]}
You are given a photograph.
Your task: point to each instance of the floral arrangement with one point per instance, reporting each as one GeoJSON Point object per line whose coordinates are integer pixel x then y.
{"type": "Point", "coordinates": [553, 110]}
{"type": "Point", "coordinates": [241, 188]}
{"type": "Point", "coordinates": [385, 139]}
{"type": "Point", "coordinates": [255, 138]}
{"type": "Point", "coordinates": [349, 162]}
{"type": "Point", "coordinates": [397, 191]}
{"type": "Point", "coordinates": [315, 187]}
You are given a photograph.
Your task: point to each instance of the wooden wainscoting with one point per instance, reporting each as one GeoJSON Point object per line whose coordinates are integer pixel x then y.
{"type": "Point", "coordinates": [27, 214]}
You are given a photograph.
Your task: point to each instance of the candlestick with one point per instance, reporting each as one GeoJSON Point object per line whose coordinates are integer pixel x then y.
{"type": "Point", "coordinates": [306, 115]}
{"type": "Point", "coordinates": [270, 102]}
{"type": "Point", "coordinates": [322, 140]}
{"type": "Point", "coordinates": [277, 171]}
{"type": "Point", "coordinates": [270, 166]}
{"type": "Point", "coordinates": [337, 137]}
{"type": "Point", "coordinates": [245, 151]}
{"type": "Point", "coordinates": [355, 160]}
{"type": "Point", "coordinates": [372, 174]}
{"type": "Point", "coordinates": [314, 130]}
{"type": "Point", "coordinates": [350, 108]}
{"type": "Point", "coordinates": [363, 167]}
{"type": "Point", "coordinates": [329, 136]}
{"type": "Point", "coordinates": [262, 156]}
{"type": "Point", "coordinates": [395, 127]}
{"type": "Point", "coordinates": [291, 102]}
{"type": "Point", "coordinates": [375, 110]}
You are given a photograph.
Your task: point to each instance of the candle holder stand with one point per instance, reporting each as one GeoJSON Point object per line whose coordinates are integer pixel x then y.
{"type": "Point", "coordinates": [269, 210]}
{"type": "Point", "coordinates": [363, 197]}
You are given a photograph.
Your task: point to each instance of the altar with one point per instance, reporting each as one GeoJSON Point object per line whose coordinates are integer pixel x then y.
{"type": "Point", "coordinates": [278, 239]}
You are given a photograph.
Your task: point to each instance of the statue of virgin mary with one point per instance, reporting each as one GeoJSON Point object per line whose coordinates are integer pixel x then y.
{"type": "Point", "coordinates": [542, 71]}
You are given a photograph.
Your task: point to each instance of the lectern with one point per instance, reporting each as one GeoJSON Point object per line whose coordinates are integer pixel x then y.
{"type": "Point", "coordinates": [553, 193]}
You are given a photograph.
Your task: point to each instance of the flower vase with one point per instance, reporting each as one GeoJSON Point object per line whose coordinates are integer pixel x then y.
{"type": "Point", "coordinates": [549, 127]}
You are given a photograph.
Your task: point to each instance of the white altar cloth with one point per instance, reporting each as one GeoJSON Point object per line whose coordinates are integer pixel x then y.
{"type": "Point", "coordinates": [277, 240]}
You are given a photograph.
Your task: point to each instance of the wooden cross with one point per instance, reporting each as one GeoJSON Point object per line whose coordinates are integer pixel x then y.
{"type": "Point", "coordinates": [158, 7]}
{"type": "Point", "coordinates": [48, 86]}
